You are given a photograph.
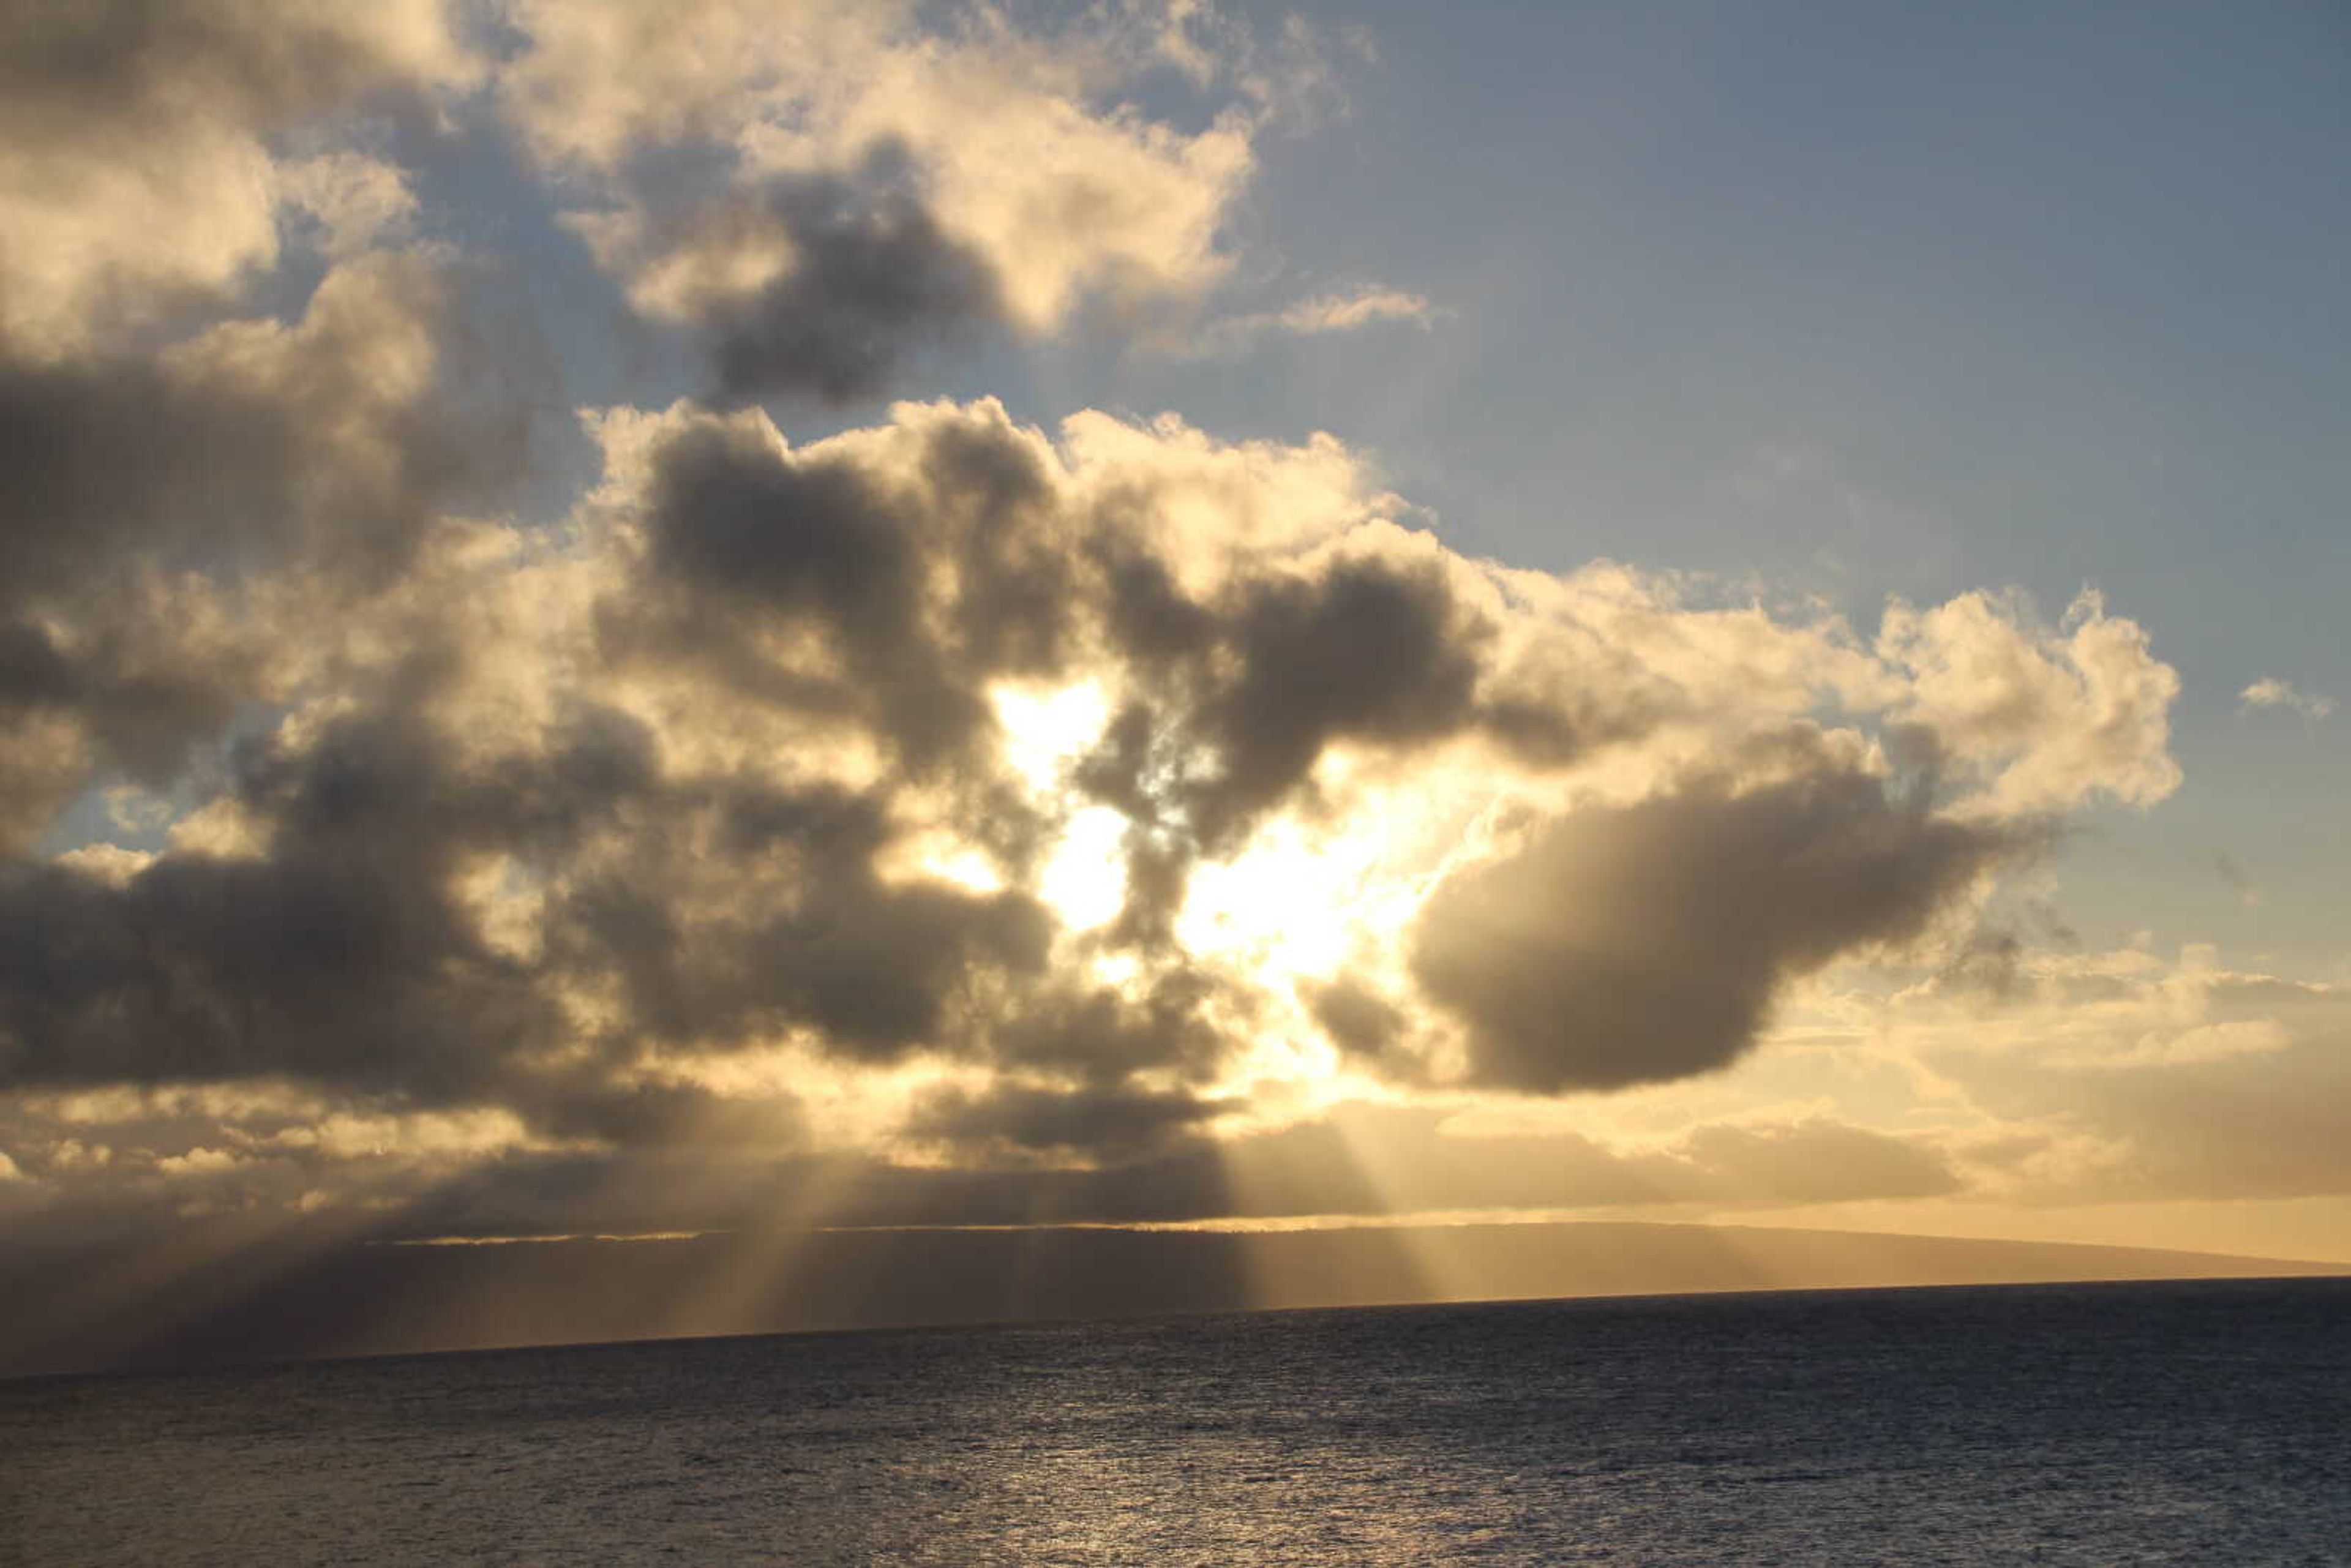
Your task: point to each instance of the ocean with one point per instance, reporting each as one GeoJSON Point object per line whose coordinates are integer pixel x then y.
{"type": "Point", "coordinates": [2204, 1423]}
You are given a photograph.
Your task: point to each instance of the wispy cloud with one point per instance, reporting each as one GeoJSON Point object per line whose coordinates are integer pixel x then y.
{"type": "Point", "coordinates": [2269, 692]}
{"type": "Point", "coordinates": [1345, 312]}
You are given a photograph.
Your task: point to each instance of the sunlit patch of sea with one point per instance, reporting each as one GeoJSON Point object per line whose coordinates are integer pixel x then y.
{"type": "Point", "coordinates": [2203, 1423]}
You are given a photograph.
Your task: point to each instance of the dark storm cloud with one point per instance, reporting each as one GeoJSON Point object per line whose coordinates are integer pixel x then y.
{"type": "Point", "coordinates": [1158, 869]}
{"type": "Point", "coordinates": [1556, 723]}
{"type": "Point", "coordinates": [767, 539]}
{"type": "Point", "coordinates": [643, 1114]}
{"type": "Point", "coordinates": [873, 968]}
{"type": "Point", "coordinates": [339, 956]}
{"type": "Point", "coordinates": [930, 573]}
{"type": "Point", "coordinates": [141, 194]}
{"type": "Point", "coordinates": [386, 785]}
{"type": "Point", "coordinates": [141, 716]}
{"type": "Point", "coordinates": [1046, 1119]}
{"type": "Point", "coordinates": [1018, 593]}
{"type": "Point", "coordinates": [423, 895]}
{"type": "Point", "coordinates": [135, 487]}
{"type": "Point", "coordinates": [818, 938]}
{"type": "Point", "coordinates": [1370, 651]}
{"type": "Point", "coordinates": [860, 277]}
{"type": "Point", "coordinates": [68, 61]}
{"type": "Point", "coordinates": [1358, 1021]}
{"type": "Point", "coordinates": [876, 587]}
{"type": "Point", "coordinates": [873, 280]}
{"type": "Point", "coordinates": [122, 452]}
{"type": "Point", "coordinates": [1250, 690]}
{"type": "Point", "coordinates": [113, 472]}
{"type": "Point", "coordinates": [307, 965]}
{"type": "Point", "coordinates": [215, 461]}
{"type": "Point", "coordinates": [687, 981]}
{"type": "Point", "coordinates": [1148, 614]}
{"type": "Point", "coordinates": [1646, 943]}
{"type": "Point", "coordinates": [737, 520]}
{"type": "Point", "coordinates": [1099, 1035]}
{"type": "Point", "coordinates": [342, 954]}
{"type": "Point", "coordinates": [1711, 899]}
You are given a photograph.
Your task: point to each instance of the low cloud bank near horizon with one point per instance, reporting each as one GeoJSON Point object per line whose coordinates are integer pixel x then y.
{"type": "Point", "coordinates": [949, 813]}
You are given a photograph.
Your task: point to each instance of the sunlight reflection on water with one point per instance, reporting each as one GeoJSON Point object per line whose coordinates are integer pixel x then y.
{"type": "Point", "coordinates": [2183, 1423]}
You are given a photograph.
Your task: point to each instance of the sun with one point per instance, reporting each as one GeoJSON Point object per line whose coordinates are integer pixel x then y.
{"type": "Point", "coordinates": [1289, 904]}
{"type": "Point", "coordinates": [1084, 879]}
{"type": "Point", "coordinates": [1325, 888]}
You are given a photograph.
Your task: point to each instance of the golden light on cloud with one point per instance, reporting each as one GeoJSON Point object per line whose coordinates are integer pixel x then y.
{"type": "Point", "coordinates": [415, 805]}
{"type": "Point", "coordinates": [1046, 731]}
{"type": "Point", "coordinates": [1289, 907]}
{"type": "Point", "coordinates": [1084, 878]}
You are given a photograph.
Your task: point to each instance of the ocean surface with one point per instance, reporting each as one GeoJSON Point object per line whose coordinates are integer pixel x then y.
{"type": "Point", "coordinates": [2205, 1423]}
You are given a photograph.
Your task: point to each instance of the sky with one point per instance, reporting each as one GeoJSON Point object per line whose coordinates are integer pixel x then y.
{"type": "Point", "coordinates": [769, 614]}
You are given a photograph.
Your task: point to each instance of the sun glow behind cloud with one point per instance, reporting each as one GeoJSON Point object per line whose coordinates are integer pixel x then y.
{"type": "Point", "coordinates": [1083, 880]}
{"type": "Point", "coordinates": [1178, 881]}
{"type": "Point", "coordinates": [961, 816]}
{"type": "Point", "coordinates": [1296, 903]}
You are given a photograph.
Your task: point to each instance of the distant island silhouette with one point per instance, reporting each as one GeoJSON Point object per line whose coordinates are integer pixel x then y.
{"type": "Point", "coordinates": [303, 1295]}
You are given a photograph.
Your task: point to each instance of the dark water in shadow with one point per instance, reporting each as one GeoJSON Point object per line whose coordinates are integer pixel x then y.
{"type": "Point", "coordinates": [2205, 1423]}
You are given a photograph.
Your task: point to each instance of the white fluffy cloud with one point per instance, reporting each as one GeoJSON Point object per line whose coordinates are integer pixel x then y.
{"type": "Point", "coordinates": [2042, 719]}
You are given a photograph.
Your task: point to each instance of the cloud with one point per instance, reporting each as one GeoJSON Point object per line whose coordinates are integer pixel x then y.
{"type": "Point", "coordinates": [1345, 313]}
{"type": "Point", "coordinates": [170, 517]}
{"type": "Point", "coordinates": [1051, 1120]}
{"type": "Point", "coordinates": [1647, 943]}
{"type": "Point", "coordinates": [129, 1159]}
{"type": "Point", "coordinates": [1372, 652]}
{"type": "Point", "coordinates": [990, 820]}
{"type": "Point", "coordinates": [338, 958]}
{"type": "Point", "coordinates": [2126, 1077]}
{"type": "Point", "coordinates": [2043, 719]}
{"type": "Point", "coordinates": [820, 191]}
{"type": "Point", "coordinates": [1814, 1161]}
{"type": "Point", "coordinates": [682, 872]}
{"type": "Point", "coordinates": [721, 799]}
{"type": "Point", "coordinates": [357, 204]}
{"type": "Point", "coordinates": [333, 435]}
{"type": "Point", "coordinates": [136, 146]}
{"type": "Point", "coordinates": [1356, 1019]}
{"type": "Point", "coordinates": [807, 283]}
{"type": "Point", "coordinates": [1316, 315]}
{"type": "Point", "coordinates": [2269, 692]}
